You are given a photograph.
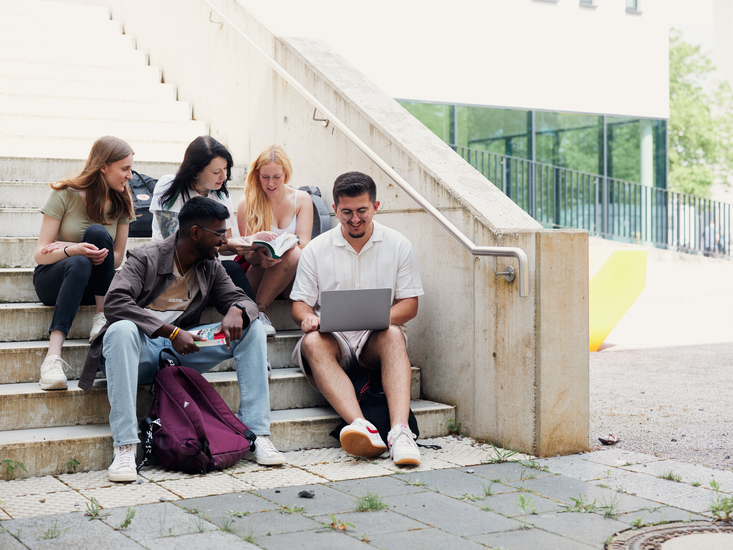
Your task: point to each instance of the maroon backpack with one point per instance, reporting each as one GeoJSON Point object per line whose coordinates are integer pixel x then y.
{"type": "Point", "coordinates": [190, 427]}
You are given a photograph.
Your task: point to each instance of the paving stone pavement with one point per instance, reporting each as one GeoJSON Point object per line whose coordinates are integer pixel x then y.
{"type": "Point", "coordinates": [458, 498]}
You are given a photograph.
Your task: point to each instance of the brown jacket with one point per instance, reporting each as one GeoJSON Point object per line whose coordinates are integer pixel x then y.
{"type": "Point", "coordinates": [147, 272]}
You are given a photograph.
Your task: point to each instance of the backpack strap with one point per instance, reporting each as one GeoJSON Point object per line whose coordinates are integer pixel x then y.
{"type": "Point", "coordinates": [148, 426]}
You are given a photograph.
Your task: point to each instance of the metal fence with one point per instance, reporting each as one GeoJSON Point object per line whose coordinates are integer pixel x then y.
{"type": "Point", "coordinates": [608, 207]}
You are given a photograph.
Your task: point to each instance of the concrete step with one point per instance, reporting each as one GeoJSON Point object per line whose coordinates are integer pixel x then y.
{"type": "Point", "coordinates": [21, 361]}
{"type": "Point", "coordinates": [26, 194]}
{"type": "Point", "coordinates": [61, 147]}
{"type": "Point", "coordinates": [49, 169]}
{"type": "Point", "coordinates": [120, 55]}
{"type": "Point", "coordinates": [135, 129]}
{"type": "Point", "coordinates": [41, 9]}
{"type": "Point", "coordinates": [13, 68]}
{"type": "Point", "coordinates": [17, 252]}
{"type": "Point", "coordinates": [164, 111]}
{"type": "Point", "coordinates": [26, 322]}
{"type": "Point", "coordinates": [105, 35]}
{"type": "Point", "coordinates": [124, 90]}
{"type": "Point", "coordinates": [27, 406]}
{"type": "Point", "coordinates": [47, 451]}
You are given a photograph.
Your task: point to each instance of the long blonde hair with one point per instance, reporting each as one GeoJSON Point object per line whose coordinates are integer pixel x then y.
{"type": "Point", "coordinates": [106, 150]}
{"type": "Point", "coordinates": [257, 208]}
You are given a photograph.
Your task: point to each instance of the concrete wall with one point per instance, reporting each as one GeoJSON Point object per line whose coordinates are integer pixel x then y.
{"type": "Point", "coordinates": [516, 368]}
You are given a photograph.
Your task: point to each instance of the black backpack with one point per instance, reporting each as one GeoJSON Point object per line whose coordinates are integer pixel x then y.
{"type": "Point", "coordinates": [373, 403]}
{"type": "Point", "coordinates": [321, 217]}
{"type": "Point", "coordinates": [142, 187]}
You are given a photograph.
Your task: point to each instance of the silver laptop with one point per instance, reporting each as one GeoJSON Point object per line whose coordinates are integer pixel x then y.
{"type": "Point", "coordinates": [362, 309]}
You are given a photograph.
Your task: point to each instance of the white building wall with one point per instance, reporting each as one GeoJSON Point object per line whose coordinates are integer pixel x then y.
{"type": "Point", "coordinates": [537, 54]}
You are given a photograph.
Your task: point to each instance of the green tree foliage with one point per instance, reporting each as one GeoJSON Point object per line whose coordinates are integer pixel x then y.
{"type": "Point", "coordinates": [700, 122]}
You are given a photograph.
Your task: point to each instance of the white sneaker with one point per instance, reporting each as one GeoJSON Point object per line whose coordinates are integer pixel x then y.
{"type": "Point", "coordinates": [123, 467]}
{"type": "Point", "coordinates": [52, 373]}
{"type": "Point", "coordinates": [402, 447]}
{"type": "Point", "coordinates": [98, 322]}
{"type": "Point", "coordinates": [361, 438]}
{"type": "Point", "coordinates": [265, 320]}
{"type": "Point", "coordinates": [265, 453]}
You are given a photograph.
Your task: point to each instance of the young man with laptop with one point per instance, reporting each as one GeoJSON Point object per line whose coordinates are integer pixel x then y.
{"type": "Point", "coordinates": [359, 254]}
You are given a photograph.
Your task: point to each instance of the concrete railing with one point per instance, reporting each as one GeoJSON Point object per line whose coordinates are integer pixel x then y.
{"type": "Point", "coordinates": [514, 368]}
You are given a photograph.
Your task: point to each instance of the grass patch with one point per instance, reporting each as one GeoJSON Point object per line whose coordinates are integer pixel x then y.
{"type": "Point", "coordinates": [369, 502]}
{"type": "Point", "coordinates": [671, 476]}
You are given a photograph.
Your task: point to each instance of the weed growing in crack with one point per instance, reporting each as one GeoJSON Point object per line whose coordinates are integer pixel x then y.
{"type": "Point", "coordinates": [369, 502]}
{"type": "Point", "coordinates": [94, 510]}
{"type": "Point", "coordinates": [336, 524]}
{"type": "Point", "coordinates": [580, 505]}
{"type": "Point", "coordinates": [527, 507]}
{"type": "Point", "coordinates": [11, 466]}
{"type": "Point", "coordinates": [671, 476]}
{"type": "Point", "coordinates": [52, 532]}
{"type": "Point", "coordinates": [129, 516]}
{"type": "Point", "coordinates": [292, 509]}
{"type": "Point", "coordinates": [501, 454]}
{"type": "Point", "coordinates": [721, 507]}
{"type": "Point", "coordinates": [472, 498]}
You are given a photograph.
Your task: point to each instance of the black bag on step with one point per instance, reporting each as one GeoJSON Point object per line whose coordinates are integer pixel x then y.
{"type": "Point", "coordinates": [142, 187]}
{"type": "Point", "coordinates": [321, 217]}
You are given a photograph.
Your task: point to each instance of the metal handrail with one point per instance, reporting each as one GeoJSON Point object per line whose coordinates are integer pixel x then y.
{"type": "Point", "coordinates": [457, 234]}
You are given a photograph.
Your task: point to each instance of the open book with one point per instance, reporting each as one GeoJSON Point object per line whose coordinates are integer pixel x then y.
{"type": "Point", "coordinates": [211, 338]}
{"type": "Point", "coordinates": [278, 246]}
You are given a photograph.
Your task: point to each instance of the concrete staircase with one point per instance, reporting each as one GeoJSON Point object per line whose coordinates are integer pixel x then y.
{"type": "Point", "coordinates": [58, 95]}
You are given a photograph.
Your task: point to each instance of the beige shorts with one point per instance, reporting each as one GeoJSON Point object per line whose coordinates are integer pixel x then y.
{"type": "Point", "coordinates": [351, 344]}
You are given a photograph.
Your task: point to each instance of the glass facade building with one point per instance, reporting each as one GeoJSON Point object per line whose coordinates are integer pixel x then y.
{"type": "Point", "coordinates": [630, 149]}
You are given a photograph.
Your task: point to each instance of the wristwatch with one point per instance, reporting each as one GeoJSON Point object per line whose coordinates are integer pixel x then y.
{"type": "Point", "coordinates": [244, 310]}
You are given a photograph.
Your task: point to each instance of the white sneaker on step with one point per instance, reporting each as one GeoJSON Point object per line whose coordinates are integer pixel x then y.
{"type": "Point", "coordinates": [361, 438]}
{"type": "Point", "coordinates": [265, 452]}
{"type": "Point", "coordinates": [402, 447]}
{"type": "Point", "coordinates": [123, 467]}
{"type": "Point", "coordinates": [265, 320]}
{"type": "Point", "coordinates": [52, 373]}
{"type": "Point", "coordinates": [98, 322]}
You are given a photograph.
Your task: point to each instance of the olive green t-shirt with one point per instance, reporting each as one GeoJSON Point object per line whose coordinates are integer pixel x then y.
{"type": "Point", "coordinates": [67, 207]}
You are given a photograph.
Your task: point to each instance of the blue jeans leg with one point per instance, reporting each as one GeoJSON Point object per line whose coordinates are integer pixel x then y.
{"type": "Point", "coordinates": [129, 358]}
{"type": "Point", "coordinates": [250, 354]}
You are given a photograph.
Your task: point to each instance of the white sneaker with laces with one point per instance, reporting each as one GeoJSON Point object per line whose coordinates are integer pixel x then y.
{"type": "Point", "coordinates": [265, 452]}
{"type": "Point", "coordinates": [52, 373]}
{"type": "Point", "coordinates": [361, 438]}
{"type": "Point", "coordinates": [265, 320]}
{"type": "Point", "coordinates": [402, 447]}
{"type": "Point", "coordinates": [98, 322]}
{"type": "Point", "coordinates": [123, 467]}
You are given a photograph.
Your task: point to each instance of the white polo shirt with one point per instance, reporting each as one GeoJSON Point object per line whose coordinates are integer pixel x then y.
{"type": "Point", "coordinates": [329, 262]}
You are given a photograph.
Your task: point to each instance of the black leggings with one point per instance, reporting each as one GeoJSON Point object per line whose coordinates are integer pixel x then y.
{"type": "Point", "coordinates": [238, 277]}
{"type": "Point", "coordinates": [75, 281]}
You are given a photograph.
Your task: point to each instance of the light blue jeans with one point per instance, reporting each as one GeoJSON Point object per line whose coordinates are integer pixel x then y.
{"type": "Point", "coordinates": [130, 358]}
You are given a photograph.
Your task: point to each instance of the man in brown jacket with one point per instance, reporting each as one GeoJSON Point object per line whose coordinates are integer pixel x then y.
{"type": "Point", "coordinates": [153, 302]}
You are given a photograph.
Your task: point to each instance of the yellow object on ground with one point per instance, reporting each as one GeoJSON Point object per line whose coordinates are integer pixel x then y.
{"type": "Point", "coordinates": [615, 286]}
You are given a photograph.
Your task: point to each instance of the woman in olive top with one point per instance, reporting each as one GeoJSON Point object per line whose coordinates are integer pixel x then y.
{"type": "Point", "coordinates": [81, 241]}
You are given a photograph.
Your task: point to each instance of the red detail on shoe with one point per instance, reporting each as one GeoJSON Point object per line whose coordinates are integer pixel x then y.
{"type": "Point", "coordinates": [372, 431]}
